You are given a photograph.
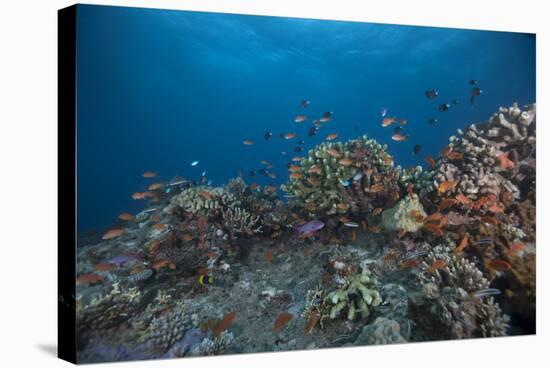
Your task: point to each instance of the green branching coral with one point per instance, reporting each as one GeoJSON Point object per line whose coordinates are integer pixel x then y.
{"type": "Point", "coordinates": [321, 179]}
{"type": "Point", "coordinates": [420, 179]}
{"type": "Point", "coordinates": [356, 295]}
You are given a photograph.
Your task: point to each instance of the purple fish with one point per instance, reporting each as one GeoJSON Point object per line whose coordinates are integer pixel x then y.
{"type": "Point", "coordinates": [309, 228]}
{"type": "Point", "coordinates": [123, 258]}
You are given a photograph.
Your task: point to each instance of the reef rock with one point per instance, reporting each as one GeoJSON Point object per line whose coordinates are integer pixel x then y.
{"type": "Point", "coordinates": [399, 218]}
{"type": "Point", "coordinates": [381, 331]}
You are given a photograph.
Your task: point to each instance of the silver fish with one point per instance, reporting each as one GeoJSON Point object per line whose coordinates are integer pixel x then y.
{"type": "Point", "coordinates": [486, 292]}
{"type": "Point", "coordinates": [351, 224]}
{"type": "Point", "coordinates": [358, 176]}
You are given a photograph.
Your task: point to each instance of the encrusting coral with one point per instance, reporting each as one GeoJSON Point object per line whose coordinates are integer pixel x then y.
{"type": "Point", "coordinates": [399, 217]}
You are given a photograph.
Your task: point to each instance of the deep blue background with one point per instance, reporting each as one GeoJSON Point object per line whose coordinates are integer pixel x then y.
{"type": "Point", "coordinates": [158, 89]}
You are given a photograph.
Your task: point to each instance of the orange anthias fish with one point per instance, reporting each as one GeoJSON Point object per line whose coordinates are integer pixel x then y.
{"type": "Point", "coordinates": [103, 267]}
{"type": "Point", "coordinates": [377, 211]}
{"type": "Point", "coordinates": [516, 248]}
{"type": "Point", "coordinates": [281, 320]}
{"type": "Point", "coordinates": [269, 256]}
{"type": "Point", "coordinates": [409, 263]}
{"type": "Point", "coordinates": [289, 135]}
{"type": "Point", "coordinates": [334, 153]}
{"type": "Point", "coordinates": [293, 168]}
{"type": "Point", "coordinates": [345, 162]}
{"type": "Point", "coordinates": [296, 175]}
{"type": "Point", "coordinates": [455, 155]}
{"type": "Point", "coordinates": [446, 203]}
{"type": "Point", "coordinates": [163, 263]}
{"type": "Point", "coordinates": [297, 159]}
{"type": "Point", "coordinates": [332, 136]}
{"type": "Point", "coordinates": [430, 161]}
{"type": "Point", "coordinates": [248, 142]}
{"type": "Point", "coordinates": [149, 174]}
{"type": "Point", "coordinates": [206, 195]}
{"type": "Point", "coordinates": [436, 265]}
{"type": "Point", "coordinates": [89, 278]}
{"type": "Point", "coordinates": [498, 265]}
{"type": "Point", "coordinates": [376, 188]}
{"type": "Point", "coordinates": [445, 186]}
{"type": "Point", "coordinates": [462, 199]}
{"type": "Point", "coordinates": [461, 245]}
{"type": "Point", "coordinates": [187, 237]}
{"type": "Point", "coordinates": [159, 226]}
{"type": "Point", "coordinates": [445, 151]}
{"type": "Point", "coordinates": [416, 215]}
{"type": "Point", "coordinates": [398, 137]}
{"type": "Point", "coordinates": [504, 162]}
{"type": "Point", "coordinates": [155, 186]}
{"type": "Point", "coordinates": [314, 170]}
{"type": "Point", "coordinates": [488, 220]}
{"type": "Point", "coordinates": [223, 324]}
{"type": "Point", "coordinates": [387, 122]}
{"type": "Point", "coordinates": [495, 209]}
{"type": "Point", "coordinates": [434, 229]}
{"type": "Point", "coordinates": [137, 195]}
{"type": "Point", "coordinates": [311, 322]}
{"type": "Point", "coordinates": [112, 234]}
{"type": "Point", "coordinates": [125, 216]}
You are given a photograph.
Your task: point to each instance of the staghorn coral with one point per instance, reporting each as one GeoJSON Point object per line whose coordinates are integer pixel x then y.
{"type": "Point", "coordinates": [202, 200]}
{"type": "Point", "coordinates": [447, 302]}
{"type": "Point", "coordinates": [497, 156]}
{"type": "Point", "coordinates": [356, 295]}
{"type": "Point", "coordinates": [399, 217]}
{"type": "Point", "coordinates": [107, 310]}
{"type": "Point", "coordinates": [240, 221]}
{"type": "Point", "coordinates": [168, 328]}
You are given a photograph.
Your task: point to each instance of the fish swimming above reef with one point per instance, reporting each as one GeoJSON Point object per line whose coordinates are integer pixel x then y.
{"type": "Point", "coordinates": [384, 111]}
{"type": "Point", "coordinates": [472, 82]}
{"type": "Point", "coordinates": [475, 91]}
{"type": "Point", "coordinates": [443, 107]}
{"type": "Point", "coordinates": [267, 135]}
{"type": "Point", "coordinates": [300, 118]}
{"type": "Point", "coordinates": [312, 131]}
{"type": "Point", "coordinates": [387, 121]}
{"type": "Point", "coordinates": [288, 135]}
{"type": "Point", "coordinates": [431, 94]}
{"type": "Point", "coordinates": [309, 228]}
{"type": "Point", "coordinates": [194, 163]}
{"type": "Point", "coordinates": [304, 104]}
{"type": "Point", "coordinates": [325, 118]}
{"type": "Point", "coordinates": [399, 137]}
{"type": "Point", "coordinates": [149, 174]}
{"type": "Point", "coordinates": [416, 149]}
{"type": "Point", "coordinates": [248, 142]}
{"type": "Point", "coordinates": [432, 121]}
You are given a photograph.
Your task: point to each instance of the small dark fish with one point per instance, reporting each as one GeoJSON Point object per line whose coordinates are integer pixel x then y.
{"type": "Point", "coordinates": [312, 131]}
{"type": "Point", "coordinates": [484, 241]}
{"type": "Point", "coordinates": [298, 149]}
{"type": "Point", "coordinates": [203, 180]}
{"type": "Point", "coordinates": [415, 254]}
{"type": "Point", "coordinates": [262, 171]}
{"type": "Point", "coordinates": [432, 121]}
{"type": "Point", "coordinates": [476, 91]}
{"type": "Point", "coordinates": [444, 107]}
{"type": "Point", "coordinates": [301, 141]}
{"type": "Point", "coordinates": [472, 82]}
{"type": "Point", "coordinates": [267, 135]}
{"type": "Point", "coordinates": [431, 94]}
{"type": "Point", "coordinates": [304, 104]}
{"type": "Point", "coordinates": [486, 292]}
{"type": "Point", "coordinates": [398, 130]}
{"type": "Point", "coordinates": [282, 135]}
{"type": "Point", "coordinates": [252, 173]}
{"type": "Point", "coordinates": [416, 149]}
{"type": "Point", "coordinates": [326, 117]}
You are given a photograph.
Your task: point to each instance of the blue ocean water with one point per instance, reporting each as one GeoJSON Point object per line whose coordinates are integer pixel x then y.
{"type": "Point", "coordinates": [158, 89]}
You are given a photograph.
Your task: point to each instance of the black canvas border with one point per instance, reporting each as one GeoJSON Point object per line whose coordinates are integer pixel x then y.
{"type": "Point", "coordinates": [66, 187]}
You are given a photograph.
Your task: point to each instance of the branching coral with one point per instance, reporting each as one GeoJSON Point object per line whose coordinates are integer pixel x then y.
{"type": "Point", "coordinates": [356, 295]}
{"type": "Point", "coordinates": [495, 157]}
{"type": "Point", "coordinates": [168, 328]}
{"type": "Point", "coordinates": [448, 303]}
{"type": "Point", "coordinates": [201, 200]}
{"type": "Point", "coordinates": [240, 221]}
{"type": "Point", "coordinates": [108, 310]}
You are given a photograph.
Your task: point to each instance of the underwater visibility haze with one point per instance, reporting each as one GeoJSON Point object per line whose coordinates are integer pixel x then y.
{"type": "Point", "coordinates": [251, 183]}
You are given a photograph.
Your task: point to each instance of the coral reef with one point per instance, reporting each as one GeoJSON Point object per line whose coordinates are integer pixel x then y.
{"type": "Point", "coordinates": [496, 157]}
{"type": "Point", "coordinates": [168, 328]}
{"type": "Point", "coordinates": [240, 221]}
{"type": "Point", "coordinates": [202, 200]}
{"type": "Point", "coordinates": [381, 331]}
{"type": "Point", "coordinates": [357, 293]}
{"type": "Point", "coordinates": [447, 298]}
{"type": "Point", "coordinates": [107, 310]}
